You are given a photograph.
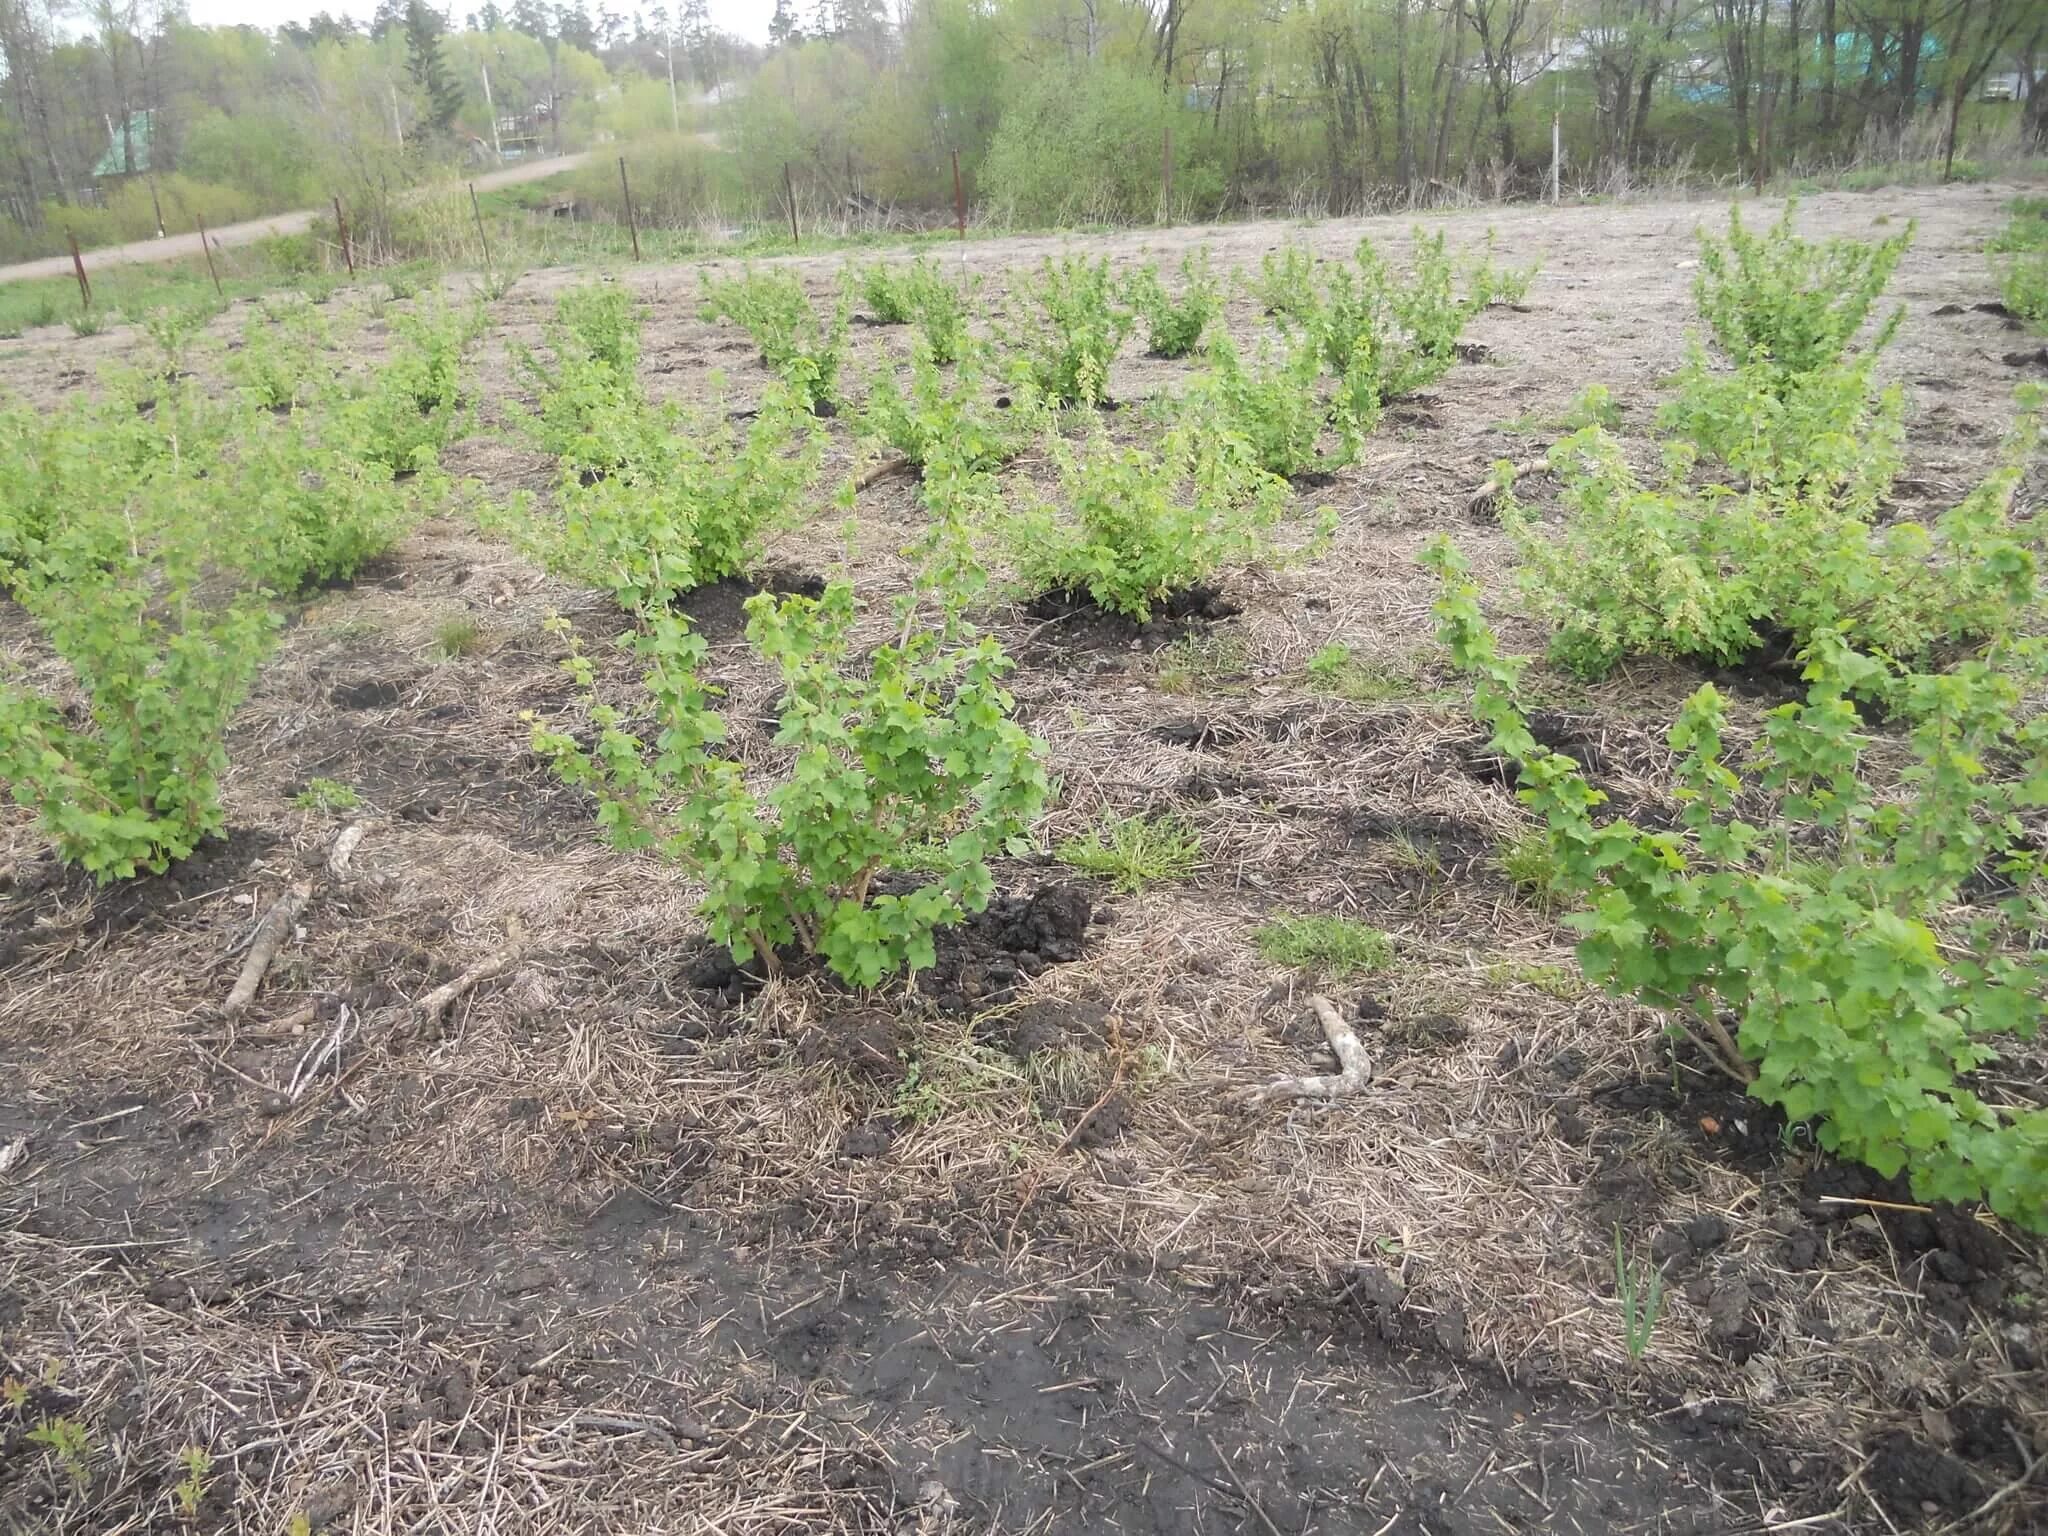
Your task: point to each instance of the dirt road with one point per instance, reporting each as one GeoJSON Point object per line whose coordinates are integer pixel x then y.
{"type": "Point", "coordinates": [174, 247]}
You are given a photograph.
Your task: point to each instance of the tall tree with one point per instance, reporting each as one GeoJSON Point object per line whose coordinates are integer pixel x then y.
{"type": "Point", "coordinates": [440, 95]}
{"type": "Point", "coordinates": [782, 26]}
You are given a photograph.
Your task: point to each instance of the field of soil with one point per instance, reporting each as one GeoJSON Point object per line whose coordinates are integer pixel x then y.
{"type": "Point", "coordinates": [615, 1244]}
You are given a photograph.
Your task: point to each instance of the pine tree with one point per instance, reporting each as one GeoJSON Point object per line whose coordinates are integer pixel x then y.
{"type": "Point", "coordinates": [782, 26]}
{"type": "Point", "coordinates": [429, 70]}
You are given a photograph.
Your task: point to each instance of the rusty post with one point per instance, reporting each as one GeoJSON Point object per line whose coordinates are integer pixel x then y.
{"type": "Point", "coordinates": [789, 190]}
{"type": "Point", "coordinates": [477, 208]}
{"type": "Point", "coordinates": [341, 228]}
{"type": "Point", "coordinates": [1166, 176]}
{"type": "Point", "coordinates": [632, 227]}
{"type": "Point", "coordinates": [78, 266]}
{"type": "Point", "coordinates": [206, 250]}
{"type": "Point", "coordinates": [959, 198]}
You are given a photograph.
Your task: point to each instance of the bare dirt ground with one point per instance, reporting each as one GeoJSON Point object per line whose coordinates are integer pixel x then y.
{"type": "Point", "coordinates": [607, 1250]}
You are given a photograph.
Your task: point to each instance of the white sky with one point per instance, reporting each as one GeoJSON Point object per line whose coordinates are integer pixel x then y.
{"type": "Point", "coordinates": [742, 18]}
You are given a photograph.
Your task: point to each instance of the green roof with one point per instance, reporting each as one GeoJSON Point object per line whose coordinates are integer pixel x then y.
{"type": "Point", "coordinates": [119, 148]}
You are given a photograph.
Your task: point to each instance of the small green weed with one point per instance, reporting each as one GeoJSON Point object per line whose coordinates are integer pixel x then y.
{"type": "Point", "coordinates": [1530, 864]}
{"type": "Point", "coordinates": [1133, 852]}
{"type": "Point", "coordinates": [1639, 1287]}
{"type": "Point", "coordinates": [88, 322]}
{"type": "Point", "coordinates": [1342, 673]}
{"type": "Point", "coordinates": [1336, 946]}
{"type": "Point", "coordinates": [190, 1490]}
{"type": "Point", "coordinates": [326, 795]}
{"type": "Point", "coordinates": [458, 637]}
{"type": "Point", "coordinates": [67, 1441]}
{"type": "Point", "coordinates": [1201, 663]}
{"type": "Point", "coordinates": [1553, 981]}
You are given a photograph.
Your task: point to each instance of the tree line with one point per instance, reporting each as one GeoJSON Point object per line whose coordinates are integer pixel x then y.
{"type": "Point", "coordinates": [121, 117]}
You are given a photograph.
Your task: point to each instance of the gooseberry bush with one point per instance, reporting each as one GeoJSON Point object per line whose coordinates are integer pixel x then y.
{"type": "Point", "coordinates": [919, 294]}
{"type": "Point", "coordinates": [772, 308]}
{"type": "Point", "coordinates": [1807, 924]}
{"type": "Point", "coordinates": [1276, 407]}
{"type": "Point", "coordinates": [1139, 525]}
{"type": "Point", "coordinates": [1175, 323]}
{"type": "Point", "coordinates": [654, 499]}
{"type": "Point", "coordinates": [951, 416]}
{"type": "Point", "coordinates": [1714, 572]}
{"type": "Point", "coordinates": [1384, 335]}
{"type": "Point", "coordinates": [906, 747]}
{"type": "Point", "coordinates": [1789, 302]}
{"type": "Point", "coordinates": [159, 658]}
{"type": "Point", "coordinates": [1077, 325]}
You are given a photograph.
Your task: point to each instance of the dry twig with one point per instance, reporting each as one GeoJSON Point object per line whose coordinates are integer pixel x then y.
{"type": "Point", "coordinates": [437, 1002]}
{"type": "Point", "coordinates": [1488, 496]}
{"type": "Point", "coordinates": [275, 927]}
{"type": "Point", "coordinates": [1355, 1067]}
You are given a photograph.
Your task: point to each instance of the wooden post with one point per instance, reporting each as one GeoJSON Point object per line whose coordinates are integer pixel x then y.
{"type": "Point", "coordinates": [341, 227]}
{"type": "Point", "coordinates": [632, 228]}
{"type": "Point", "coordinates": [1166, 175]}
{"type": "Point", "coordinates": [959, 198]}
{"type": "Point", "coordinates": [78, 266]}
{"type": "Point", "coordinates": [1556, 156]}
{"type": "Point", "coordinates": [483, 239]}
{"type": "Point", "coordinates": [789, 191]}
{"type": "Point", "coordinates": [206, 250]}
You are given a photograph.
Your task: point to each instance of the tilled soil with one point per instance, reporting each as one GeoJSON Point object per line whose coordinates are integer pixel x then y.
{"type": "Point", "coordinates": [629, 1240]}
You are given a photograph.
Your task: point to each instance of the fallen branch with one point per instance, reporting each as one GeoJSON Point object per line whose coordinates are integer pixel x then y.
{"type": "Point", "coordinates": [271, 932]}
{"type": "Point", "coordinates": [1355, 1065]}
{"type": "Point", "coordinates": [436, 1003]}
{"type": "Point", "coordinates": [883, 471]}
{"type": "Point", "coordinates": [344, 849]}
{"type": "Point", "coordinates": [1488, 496]}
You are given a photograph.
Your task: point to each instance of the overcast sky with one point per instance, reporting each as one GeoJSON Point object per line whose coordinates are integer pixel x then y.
{"type": "Point", "coordinates": [742, 18]}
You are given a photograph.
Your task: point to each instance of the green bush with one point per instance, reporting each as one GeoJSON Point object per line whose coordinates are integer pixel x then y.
{"type": "Point", "coordinates": [161, 659]}
{"type": "Point", "coordinates": [1062, 152]}
{"type": "Point", "coordinates": [1803, 926]}
{"type": "Point", "coordinates": [773, 309]}
{"type": "Point", "coordinates": [1076, 329]}
{"type": "Point", "coordinates": [1140, 526]}
{"type": "Point", "coordinates": [905, 747]}
{"type": "Point", "coordinates": [409, 408]}
{"type": "Point", "coordinates": [296, 512]}
{"type": "Point", "coordinates": [2025, 285]}
{"type": "Point", "coordinates": [1276, 408]}
{"type": "Point", "coordinates": [281, 360]}
{"type": "Point", "coordinates": [1383, 335]}
{"type": "Point", "coordinates": [951, 418]}
{"type": "Point", "coordinates": [1711, 572]}
{"type": "Point", "coordinates": [1174, 324]}
{"type": "Point", "coordinates": [1826, 434]}
{"type": "Point", "coordinates": [918, 294]}
{"type": "Point", "coordinates": [1795, 303]}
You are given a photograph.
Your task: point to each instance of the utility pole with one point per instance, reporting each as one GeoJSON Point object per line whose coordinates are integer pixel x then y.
{"type": "Point", "coordinates": [491, 107]}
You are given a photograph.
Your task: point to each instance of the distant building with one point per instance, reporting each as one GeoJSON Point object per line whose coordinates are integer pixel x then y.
{"type": "Point", "coordinates": [128, 147]}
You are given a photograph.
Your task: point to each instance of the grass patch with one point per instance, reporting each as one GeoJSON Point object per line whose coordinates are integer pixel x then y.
{"type": "Point", "coordinates": [1336, 946]}
{"type": "Point", "coordinates": [1530, 865]}
{"type": "Point", "coordinates": [1554, 981]}
{"type": "Point", "coordinates": [1339, 672]}
{"type": "Point", "coordinates": [456, 638]}
{"type": "Point", "coordinates": [1133, 852]}
{"type": "Point", "coordinates": [1201, 663]}
{"type": "Point", "coordinates": [327, 795]}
